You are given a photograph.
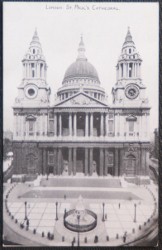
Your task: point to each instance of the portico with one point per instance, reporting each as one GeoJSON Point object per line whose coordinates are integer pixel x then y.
{"type": "Point", "coordinates": [87, 124]}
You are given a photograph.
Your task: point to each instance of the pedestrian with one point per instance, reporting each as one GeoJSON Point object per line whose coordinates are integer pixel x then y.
{"type": "Point", "coordinates": [27, 222]}
{"type": "Point", "coordinates": [64, 196]}
{"type": "Point", "coordinates": [119, 205]}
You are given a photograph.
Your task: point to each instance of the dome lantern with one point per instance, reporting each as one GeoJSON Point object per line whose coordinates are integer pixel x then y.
{"type": "Point", "coordinates": [81, 50]}
{"type": "Point", "coordinates": [81, 69]}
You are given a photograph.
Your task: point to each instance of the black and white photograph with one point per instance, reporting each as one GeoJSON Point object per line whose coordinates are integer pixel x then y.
{"type": "Point", "coordinates": [80, 124]}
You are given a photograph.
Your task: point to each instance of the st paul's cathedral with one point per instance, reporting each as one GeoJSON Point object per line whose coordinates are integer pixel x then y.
{"type": "Point", "coordinates": [81, 132]}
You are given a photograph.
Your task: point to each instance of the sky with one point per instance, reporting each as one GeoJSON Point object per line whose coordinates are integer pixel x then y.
{"type": "Point", "coordinates": [60, 25]}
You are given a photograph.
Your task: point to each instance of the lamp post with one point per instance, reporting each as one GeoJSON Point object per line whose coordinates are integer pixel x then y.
{"type": "Point", "coordinates": [56, 210]}
{"type": "Point", "coordinates": [103, 217]}
{"type": "Point", "coordinates": [78, 217]}
{"type": "Point", "coordinates": [25, 203]}
{"type": "Point", "coordinates": [135, 206]}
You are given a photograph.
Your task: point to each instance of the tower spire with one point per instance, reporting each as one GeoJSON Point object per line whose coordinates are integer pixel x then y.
{"type": "Point", "coordinates": [128, 38]}
{"type": "Point", "coordinates": [81, 49]}
{"type": "Point", "coordinates": [35, 39]}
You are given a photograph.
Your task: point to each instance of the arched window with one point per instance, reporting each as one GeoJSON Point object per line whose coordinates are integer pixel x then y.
{"type": "Point", "coordinates": [31, 124]}
{"type": "Point", "coordinates": [33, 51]}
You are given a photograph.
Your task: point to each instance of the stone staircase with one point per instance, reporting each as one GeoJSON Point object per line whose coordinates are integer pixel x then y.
{"type": "Point", "coordinates": [81, 182]}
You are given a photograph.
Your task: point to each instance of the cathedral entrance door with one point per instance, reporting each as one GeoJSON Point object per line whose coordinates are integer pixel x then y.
{"type": "Point", "coordinates": [80, 161]}
{"type": "Point", "coordinates": [130, 165]}
{"type": "Point", "coordinates": [50, 169]}
{"type": "Point", "coordinates": [31, 164]}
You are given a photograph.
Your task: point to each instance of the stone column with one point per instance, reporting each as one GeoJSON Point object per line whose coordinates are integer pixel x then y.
{"type": "Point", "coordinates": [106, 162]}
{"type": "Point", "coordinates": [55, 161]}
{"type": "Point", "coordinates": [44, 161]}
{"type": "Point", "coordinates": [69, 161]}
{"type": "Point", "coordinates": [101, 161]}
{"type": "Point", "coordinates": [117, 73]}
{"type": "Point", "coordinates": [86, 124]}
{"type": "Point", "coordinates": [46, 123]}
{"type": "Point", "coordinates": [59, 162]}
{"type": "Point", "coordinates": [91, 124]}
{"type": "Point", "coordinates": [127, 70]}
{"type": "Point", "coordinates": [106, 124]}
{"type": "Point", "coordinates": [75, 124]}
{"type": "Point", "coordinates": [70, 124]}
{"type": "Point", "coordinates": [45, 72]}
{"type": "Point", "coordinates": [86, 161]}
{"type": "Point", "coordinates": [23, 72]}
{"type": "Point", "coordinates": [91, 161]}
{"type": "Point", "coordinates": [132, 69]}
{"type": "Point", "coordinates": [137, 69]}
{"type": "Point", "coordinates": [122, 162]}
{"type": "Point", "coordinates": [27, 70]}
{"type": "Point", "coordinates": [55, 124]}
{"type": "Point", "coordinates": [42, 70]}
{"type": "Point", "coordinates": [36, 70]}
{"type": "Point", "coordinates": [74, 161]}
{"type": "Point", "coordinates": [101, 125]}
{"type": "Point", "coordinates": [30, 70]}
{"type": "Point", "coordinates": [60, 125]}
{"type": "Point", "coordinates": [116, 162]}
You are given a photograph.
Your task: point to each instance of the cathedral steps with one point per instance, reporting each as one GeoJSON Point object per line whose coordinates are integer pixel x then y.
{"type": "Point", "coordinates": [81, 182]}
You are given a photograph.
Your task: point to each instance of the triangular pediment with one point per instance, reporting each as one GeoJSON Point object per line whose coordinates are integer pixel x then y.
{"type": "Point", "coordinates": [81, 99]}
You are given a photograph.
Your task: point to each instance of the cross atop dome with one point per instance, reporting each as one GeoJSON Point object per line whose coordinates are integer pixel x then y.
{"type": "Point", "coordinates": [81, 40]}
{"type": "Point", "coordinates": [81, 49]}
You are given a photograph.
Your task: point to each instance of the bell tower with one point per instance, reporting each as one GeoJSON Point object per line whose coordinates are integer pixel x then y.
{"type": "Point", "coordinates": [129, 89]}
{"type": "Point", "coordinates": [34, 89]}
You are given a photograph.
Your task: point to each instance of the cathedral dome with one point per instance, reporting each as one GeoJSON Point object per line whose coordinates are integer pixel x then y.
{"type": "Point", "coordinates": [81, 68]}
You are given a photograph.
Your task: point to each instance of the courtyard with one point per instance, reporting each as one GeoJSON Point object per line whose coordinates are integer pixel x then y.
{"type": "Point", "coordinates": [120, 210]}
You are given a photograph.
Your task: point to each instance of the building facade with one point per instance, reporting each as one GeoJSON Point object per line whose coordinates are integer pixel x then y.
{"type": "Point", "coordinates": [81, 132]}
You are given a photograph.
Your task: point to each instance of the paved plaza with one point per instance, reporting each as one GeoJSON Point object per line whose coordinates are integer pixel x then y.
{"type": "Point", "coordinates": [120, 216]}
{"type": "Point", "coordinates": [42, 215]}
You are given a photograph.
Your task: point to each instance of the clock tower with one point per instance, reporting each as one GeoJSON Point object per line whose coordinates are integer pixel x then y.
{"type": "Point", "coordinates": [33, 90]}
{"type": "Point", "coordinates": [129, 89]}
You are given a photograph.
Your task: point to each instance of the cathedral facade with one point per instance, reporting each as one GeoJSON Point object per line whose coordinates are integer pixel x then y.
{"type": "Point", "coordinates": [81, 132]}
